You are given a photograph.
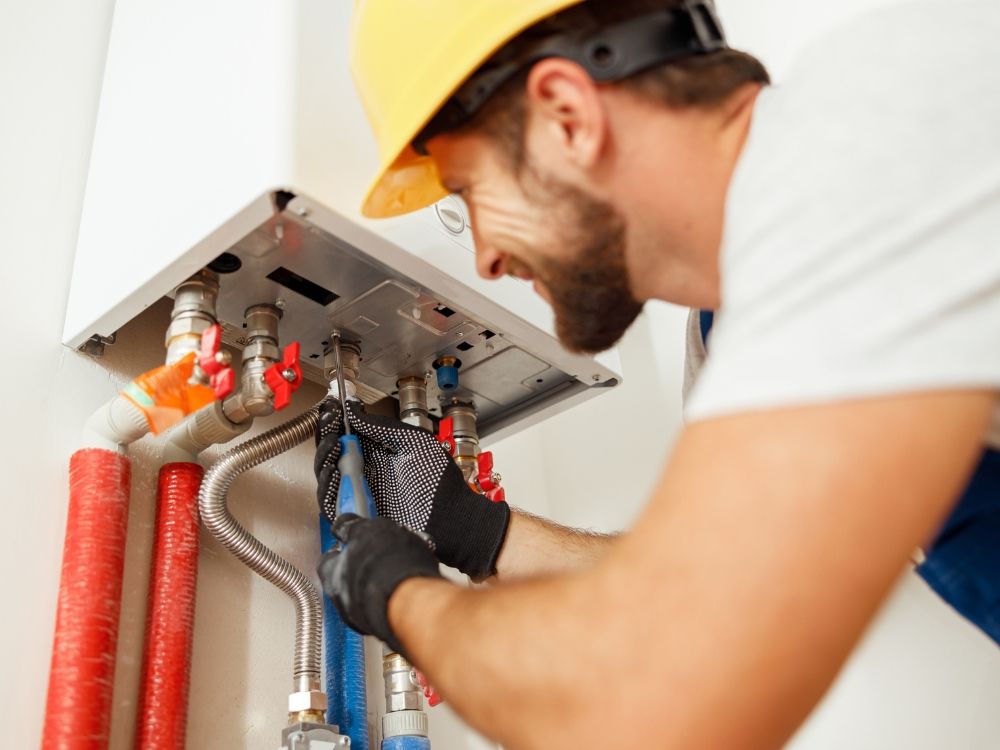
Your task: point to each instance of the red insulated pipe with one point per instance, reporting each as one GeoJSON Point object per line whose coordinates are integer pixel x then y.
{"type": "Point", "coordinates": [78, 708]}
{"type": "Point", "coordinates": [166, 669]}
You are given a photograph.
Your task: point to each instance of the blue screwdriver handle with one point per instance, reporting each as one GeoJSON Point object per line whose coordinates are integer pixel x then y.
{"type": "Point", "coordinates": [354, 496]}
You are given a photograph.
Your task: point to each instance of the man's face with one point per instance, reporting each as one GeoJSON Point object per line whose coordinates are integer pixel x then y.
{"type": "Point", "coordinates": [534, 226]}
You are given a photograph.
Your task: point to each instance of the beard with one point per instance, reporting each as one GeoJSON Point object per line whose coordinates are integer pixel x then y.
{"type": "Point", "coordinates": [590, 291]}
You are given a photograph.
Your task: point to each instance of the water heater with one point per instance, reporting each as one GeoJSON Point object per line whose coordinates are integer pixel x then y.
{"type": "Point", "coordinates": [229, 136]}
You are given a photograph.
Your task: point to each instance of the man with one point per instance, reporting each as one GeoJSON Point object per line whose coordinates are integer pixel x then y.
{"type": "Point", "coordinates": [844, 228]}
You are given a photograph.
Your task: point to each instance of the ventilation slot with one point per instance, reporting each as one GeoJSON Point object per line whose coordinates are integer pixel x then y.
{"type": "Point", "coordinates": [301, 285]}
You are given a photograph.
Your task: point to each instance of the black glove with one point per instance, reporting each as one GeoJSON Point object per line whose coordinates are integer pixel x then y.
{"type": "Point", "coordinates": [416, 484]}
{"type": "Point", "coordinates": [375, 556]}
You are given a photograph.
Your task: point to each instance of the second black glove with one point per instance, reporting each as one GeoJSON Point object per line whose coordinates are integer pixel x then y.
{"type": "Point", "coordinates": [360, 575]}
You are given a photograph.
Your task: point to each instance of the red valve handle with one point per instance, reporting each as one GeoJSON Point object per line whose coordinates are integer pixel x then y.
{"type": "Point", "coordinates": [446, 435]}
{"type": "Point", "coordinates": [430, 693]}
{"type": "Point", "coordinates": [220, 376]}
{"type": "Point", "coordinates": [211, 340]}
{"type": "Point", "coordinates": [485, 477]}
{"type": "Point", "coordinates": [488, 481]}
{"type": "Point", "coordinates": [223, 383]}
{"type": "Point", "coordinates": [285, 377]}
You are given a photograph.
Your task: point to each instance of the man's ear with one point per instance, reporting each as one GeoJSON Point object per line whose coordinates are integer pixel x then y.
{"type": "Point", "coordinates": [565, 102]}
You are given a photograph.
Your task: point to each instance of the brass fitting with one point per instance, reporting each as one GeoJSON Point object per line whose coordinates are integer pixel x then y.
{"type": "Point", "coordinates": [194, 311]}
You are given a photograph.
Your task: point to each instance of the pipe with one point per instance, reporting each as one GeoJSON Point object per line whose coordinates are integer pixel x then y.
{"type": "Point", "coordinates": [254, 398]}
{"type": "Point", "coordinates": [412, 392]}
{"type": "Point", "coordinates": [207, 427]}
{"type": "Point", "coordinates": [344, 647]}
{"type": "Point", "coordinates": [166, 674]}
{"type": "Point", "coordinates": [78, 709]}
{"type": "Point", "coordinates": [404, 725]}
{"type": "Point", "coordinates": [251, 552]}
{"type": "Point", "coordinates": [115, 425]}
{"type": "Point", "coordinates": [161, 719]}
{"type": "Point", "coordinates": [466, 452]}
{"type": "Point", "coordinates": [162, 712]}
{"type": "Point", "coordinates": [81, 678]}
{"type": "Point", "coordinates": [406, 742]}
{"type": "Point", "coordinates": [345, 665]}
{"type": "Point", "coordinates": [193, 314]}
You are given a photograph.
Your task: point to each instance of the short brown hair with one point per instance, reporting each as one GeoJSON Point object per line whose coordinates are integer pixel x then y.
{"type": "Point", "coordinates": [699, 81]}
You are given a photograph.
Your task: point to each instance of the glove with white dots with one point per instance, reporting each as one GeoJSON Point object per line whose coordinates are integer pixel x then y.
{"type": "Point", "coordinates": [416, 484]}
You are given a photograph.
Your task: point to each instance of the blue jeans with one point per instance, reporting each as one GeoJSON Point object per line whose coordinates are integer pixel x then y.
{"type": "Point", "coordinates": [963, 563]}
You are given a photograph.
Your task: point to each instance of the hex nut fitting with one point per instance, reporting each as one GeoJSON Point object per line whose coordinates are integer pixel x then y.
{"type": "Point", "coordinates": [194, 325]}
{"type": "Point", "coordinates": [262, 348]}
{"type": "Point", "coordinates": [307, 700]}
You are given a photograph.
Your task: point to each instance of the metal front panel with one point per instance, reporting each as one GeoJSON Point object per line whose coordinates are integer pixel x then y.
{"type": "Point", "coordinates": [323, 283]}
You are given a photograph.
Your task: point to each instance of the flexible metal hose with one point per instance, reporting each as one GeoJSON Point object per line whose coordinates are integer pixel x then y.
{"type": "Point", "coordinates": [250, 551]}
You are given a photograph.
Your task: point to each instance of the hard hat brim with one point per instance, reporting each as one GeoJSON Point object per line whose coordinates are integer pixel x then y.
{"type": "Point", "coordinates": [409, 183]}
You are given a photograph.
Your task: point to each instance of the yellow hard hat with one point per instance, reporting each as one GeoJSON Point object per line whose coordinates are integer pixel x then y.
{"type": "Point", "coordinates": [407, 58]}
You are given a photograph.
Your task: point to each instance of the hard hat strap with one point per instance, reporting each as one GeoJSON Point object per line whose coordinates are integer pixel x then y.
{"type": "Point", "coordinates": [611, 53]}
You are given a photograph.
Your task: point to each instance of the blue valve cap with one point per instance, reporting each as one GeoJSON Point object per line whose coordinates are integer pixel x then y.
{"type": "Point", "coordinates": [447, 376]}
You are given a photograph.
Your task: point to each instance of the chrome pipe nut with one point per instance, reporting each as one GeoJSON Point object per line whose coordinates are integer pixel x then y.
{"type": "Point", "coordinates": [307, 700]}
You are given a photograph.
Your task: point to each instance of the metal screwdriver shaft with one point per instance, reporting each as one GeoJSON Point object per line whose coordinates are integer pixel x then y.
{"type": "Point", "coordinates": [340, 381]}
{"type": "Point", "coordinates": [354, 496]}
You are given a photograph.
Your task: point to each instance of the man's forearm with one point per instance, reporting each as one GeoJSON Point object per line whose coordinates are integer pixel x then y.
{"type": "Point", "coordinates": [509, 675]}
{"type": "Point", "coordinates": [763, 575]}
{"type": "Point", "coordinates": [535, 546]}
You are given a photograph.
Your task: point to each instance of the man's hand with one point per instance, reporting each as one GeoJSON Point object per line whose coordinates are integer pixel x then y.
{"type": "Point", "coordinates": [373, 558]}
{"type": "Point", "coordinates": [416, 484]}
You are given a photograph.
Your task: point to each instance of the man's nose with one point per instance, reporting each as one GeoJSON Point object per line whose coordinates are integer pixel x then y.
{"type": "Point", "coordinates": [490, 264]}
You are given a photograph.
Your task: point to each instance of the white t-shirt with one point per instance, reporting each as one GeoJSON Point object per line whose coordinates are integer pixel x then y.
{"type": "Point", "coordinates": [861, 254]}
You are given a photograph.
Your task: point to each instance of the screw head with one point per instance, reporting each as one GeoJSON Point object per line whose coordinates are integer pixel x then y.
{"type": "Point", "coordinates": [223, 358]}
{"type": "Point", "coordinates": [280, 303]}
{"type": "Point", "coordinates": [289, 375]}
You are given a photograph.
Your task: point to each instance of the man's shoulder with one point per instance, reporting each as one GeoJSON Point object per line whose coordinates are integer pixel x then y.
{"type": "Point", "coordinates": [924, 50]}
{"type": "Point", "coordinates": [887, 114]}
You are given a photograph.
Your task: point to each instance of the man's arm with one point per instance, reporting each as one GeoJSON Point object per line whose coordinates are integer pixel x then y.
{"type": "Point", "coordinates": [535, 546]}
{"type": "Point", "coordinates": [722, 618]}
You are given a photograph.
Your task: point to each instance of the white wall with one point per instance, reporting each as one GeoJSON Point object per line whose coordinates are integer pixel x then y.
{"type": "Point", "coordinates": [923, 678]}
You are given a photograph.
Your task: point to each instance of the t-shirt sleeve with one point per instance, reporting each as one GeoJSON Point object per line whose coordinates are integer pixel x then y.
{"type": "Point", "coordinates": [862, 248]}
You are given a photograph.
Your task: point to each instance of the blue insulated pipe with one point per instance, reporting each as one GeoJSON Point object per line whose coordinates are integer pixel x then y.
{"type": "Point", "coordinates": [344, 662]}
{"type": "Point", "coordinates": [406, 742]}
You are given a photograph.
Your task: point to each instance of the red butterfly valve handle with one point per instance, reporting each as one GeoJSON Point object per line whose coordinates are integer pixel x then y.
{"type": "Point", "coordinates": [215, 363]}
{"type": "Point", "coordinates": [446, 435]}
{"type": "Point", "coordinates": [285, 377]}
{"type": "Point", "coordinates": [488, 480]}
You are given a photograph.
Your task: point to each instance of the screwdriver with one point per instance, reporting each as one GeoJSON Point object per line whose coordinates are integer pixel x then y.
{"type": "Point", "coordinates": [354, 496]}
